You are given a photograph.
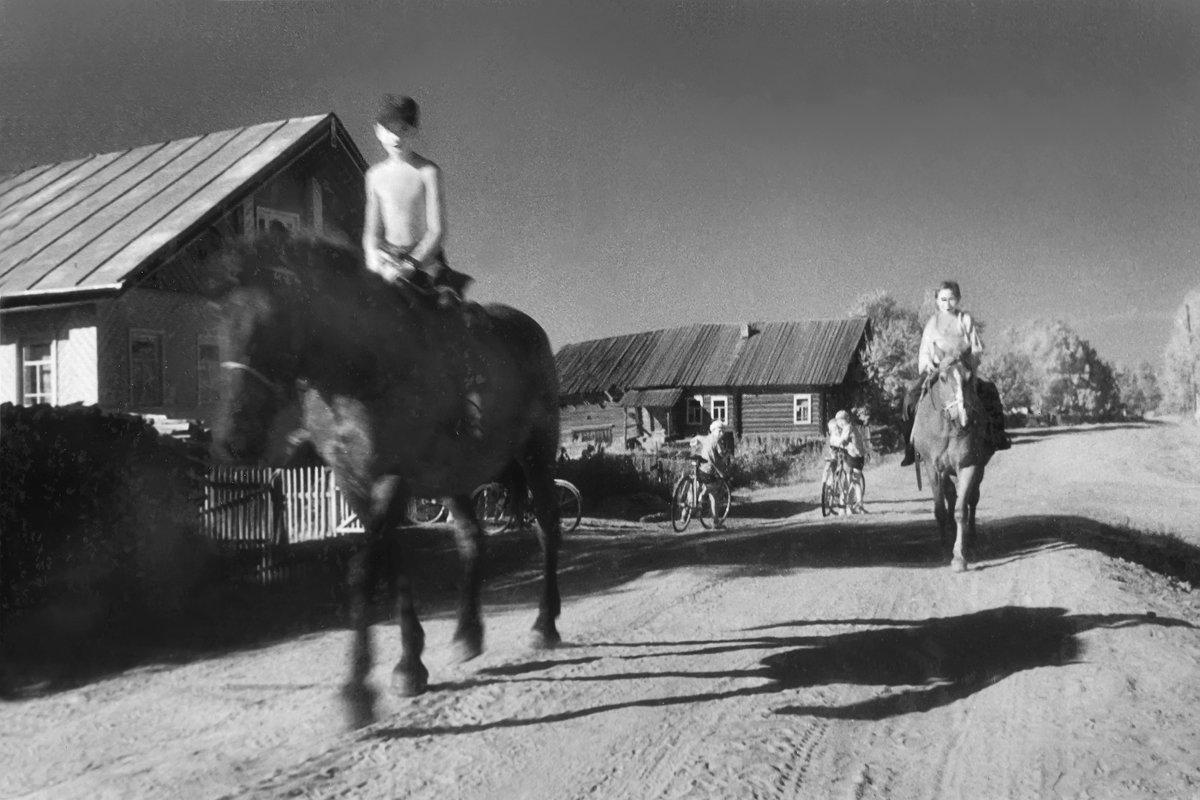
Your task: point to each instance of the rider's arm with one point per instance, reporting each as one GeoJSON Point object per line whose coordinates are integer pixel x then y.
{"type": "Point", "coordinates": [971, 334]}
{"type": "Point", "coordinates": [435, 215]}
{"type": "Point", "coordinates": [927, 356]}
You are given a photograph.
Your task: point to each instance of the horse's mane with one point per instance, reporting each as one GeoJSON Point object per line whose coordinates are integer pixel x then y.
{"type": "Point", "coordinates": [310, 264]}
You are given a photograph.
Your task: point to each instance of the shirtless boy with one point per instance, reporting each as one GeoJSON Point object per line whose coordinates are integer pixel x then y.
{"type": "Point", "coordinates": [405, 212]}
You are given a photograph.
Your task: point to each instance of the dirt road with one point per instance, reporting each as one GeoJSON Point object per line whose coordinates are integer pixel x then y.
{"type": "Point", "coordinates": [789, 656]}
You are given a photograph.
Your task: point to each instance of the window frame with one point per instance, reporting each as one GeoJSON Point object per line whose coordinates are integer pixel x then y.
{"type": "Point", "coordinates": [214, 388]}
{"type": "Point", "coordinates": [265, 215]}
{"type": "Point", "coordinates": [51, 395]}
{"type": "Point", "coordinates": [158, 336]}
{"type": "Point", "coordinates": [693, 413]}
{"type": "Point", "coordinates": [723, 401]}
{"type": "Point", "coordinates": [807, 400]}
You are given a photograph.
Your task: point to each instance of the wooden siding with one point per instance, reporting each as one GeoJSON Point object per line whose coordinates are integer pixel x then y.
{"type": "Point", "coordinates": [770, 415]}
{"type": "Point", "coordinates": [73, 331]}
{"type": "Point", "coordinates": [181, 319]}
{"type": "Point", "coordinates": [593, 423]}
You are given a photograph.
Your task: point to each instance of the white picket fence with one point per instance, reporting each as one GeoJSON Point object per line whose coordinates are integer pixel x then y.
{"type": "Point", "coordinates": [255, 506]}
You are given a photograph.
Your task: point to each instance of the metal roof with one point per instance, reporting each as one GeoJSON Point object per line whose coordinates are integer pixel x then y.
{"type": "Point", "coordinates": [89, 224]}
{"type": "Point", "coordinates": [757, 355]}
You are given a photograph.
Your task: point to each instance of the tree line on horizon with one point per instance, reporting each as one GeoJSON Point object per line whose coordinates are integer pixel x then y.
{"type": "Point", "coordinates": [1045, 371]}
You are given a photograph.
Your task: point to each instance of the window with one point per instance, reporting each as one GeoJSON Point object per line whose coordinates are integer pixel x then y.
{"type": "Point", "coordinates": [802, 409]}
{"type": "Point", "coordinates": [208, 370]}
{"type": "Point", "coordinates": [145, 368]}
{"type": "Point", "coordinates": [720, 409]}
{"type": "Point", "coordinates": [37, 372]}
{"type": "Point", "coordinates": [695, 411]}
{"type": "Point", "coordinates": [270, 220]}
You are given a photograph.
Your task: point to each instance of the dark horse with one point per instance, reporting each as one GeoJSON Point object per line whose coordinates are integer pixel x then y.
{"type": "Point", "coordinates": [398, 398]}
{"type": "Point", "coordinates": [950, 435]}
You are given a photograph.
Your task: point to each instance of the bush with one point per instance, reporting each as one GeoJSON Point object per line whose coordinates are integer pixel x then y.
{"type": "Point", "coordinates": [94, 504]}
{"type": "Point", "coordinates": [774, 463]}
{"type": "Point", "coordinates": [602, 476]}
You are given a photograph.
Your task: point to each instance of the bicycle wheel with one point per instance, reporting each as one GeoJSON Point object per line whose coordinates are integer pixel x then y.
{"type": "Point", "coordinates": [492, 507]}
{"type": "Point", "coordinates": [704, 510]}
{"type": "Point", "coordinates": [856, 492]}
{"type": "Point", "coordinates": [425, 510]}
{"type": "Point", "coordinates": [827, 500]}
{"type": "Point", "coordinates": [570, 505]}
{"type": "Point", "coordinates": [724, 498]}
{"type": "Point", "coordinates": [682, 500]}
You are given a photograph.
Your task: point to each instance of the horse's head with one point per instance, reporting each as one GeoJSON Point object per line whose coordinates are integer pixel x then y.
{"type": "Point", "coordinates": [262, 342]}
{"type": "Point", "coordinates": [949, 390]}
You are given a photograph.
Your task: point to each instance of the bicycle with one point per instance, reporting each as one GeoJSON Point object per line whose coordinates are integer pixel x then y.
{"type": "Point", "coordinates": [693, 497]}
{"type": "Point", "coordinates": [845, 489]}
{"type": "Point", "coordinates": [494, 507]}
{"type": "Point", "coordinates": [426, 511]}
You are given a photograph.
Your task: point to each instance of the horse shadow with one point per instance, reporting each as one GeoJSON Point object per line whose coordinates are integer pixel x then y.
{"type": "Point", "coordinates": [38, 658]}
{"type": "Point", "coordinates": [915, 665]}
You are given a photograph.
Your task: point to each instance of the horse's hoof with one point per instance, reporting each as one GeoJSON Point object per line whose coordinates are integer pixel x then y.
{"type": "Point", "coordinates": [358, 703]}
{"type": "Point", "coordinates": [408, 682]}
{"type": "Point", "coordinates": [958, 564]}
{"type": "Point", "coordinates": [544, 639]}
{"type": "Point", "coordinates": [466, 648]}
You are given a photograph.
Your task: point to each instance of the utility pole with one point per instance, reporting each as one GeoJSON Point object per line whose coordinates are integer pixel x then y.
{"type": "Point", "coordinates": [1187, 310]}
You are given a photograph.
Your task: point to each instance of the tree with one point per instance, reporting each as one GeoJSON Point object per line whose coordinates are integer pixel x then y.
{"type": "Point", "coordinates": [1138, 388]}
{"type": "Point", "coordinates": [1181, 359]}
{"type": "Point", "coordinates": [889, 357]}
{"type": "Point", "coordinates": [1049, 368]}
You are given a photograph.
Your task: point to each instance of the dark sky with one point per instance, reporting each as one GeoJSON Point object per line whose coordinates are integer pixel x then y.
{"type": "Point", "coordinates": [618, 166]}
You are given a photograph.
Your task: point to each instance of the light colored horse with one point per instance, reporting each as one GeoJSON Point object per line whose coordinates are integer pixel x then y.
{"type": "Point", "coordinates": [950, 436]}
{"type": "Point", "coordinates": [399, 398]}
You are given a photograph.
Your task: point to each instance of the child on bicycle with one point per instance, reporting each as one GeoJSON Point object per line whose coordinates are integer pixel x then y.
{"type": "Point", "coordinates": [712, 450]}
{"type": "Point", "coordinates": [844, 434]}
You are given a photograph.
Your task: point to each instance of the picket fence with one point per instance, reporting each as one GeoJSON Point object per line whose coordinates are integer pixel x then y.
{"type": "Point", "coordinates": [254, 506]}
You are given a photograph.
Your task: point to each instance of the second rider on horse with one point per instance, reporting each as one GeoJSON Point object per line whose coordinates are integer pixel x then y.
{"type": "Point", "coordinates": [950, 334]}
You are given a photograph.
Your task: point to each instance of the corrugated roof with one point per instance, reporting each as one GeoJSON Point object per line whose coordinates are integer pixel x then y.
{"type": "Point", "coordinates": [801, 353]}
{"type": "Point", "coordinates": [91, 223]}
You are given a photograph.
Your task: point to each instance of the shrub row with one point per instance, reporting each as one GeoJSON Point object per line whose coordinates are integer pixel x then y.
{"type": "Point", "coordinates": [95, 505]}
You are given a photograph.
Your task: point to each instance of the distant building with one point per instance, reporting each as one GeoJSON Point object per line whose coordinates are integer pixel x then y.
{"type": "Point", "coordinates": [99, 258]}
{"type": "Point", "coordinates": [771, 380]}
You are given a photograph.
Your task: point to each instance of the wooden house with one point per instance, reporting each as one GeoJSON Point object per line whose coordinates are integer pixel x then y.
{"type": "Point", "coordinates": [99, 258]}
{"type": "Point", "coordinates": [771, 380]}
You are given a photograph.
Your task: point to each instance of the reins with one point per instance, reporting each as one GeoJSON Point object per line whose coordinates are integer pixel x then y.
{"type": "Point", "coordinates": [274, 386]}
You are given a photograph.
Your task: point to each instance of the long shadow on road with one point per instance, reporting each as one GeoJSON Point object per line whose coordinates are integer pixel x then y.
{"type": "Point", "coordinates": [42, 655]}
{"type": "Point", "coordinates": [917, 665]}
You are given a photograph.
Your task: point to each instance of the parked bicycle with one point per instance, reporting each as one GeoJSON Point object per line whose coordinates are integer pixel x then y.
{"type": "Point", "coordinates": [845, 490]}
{"type": "Point", "coordinates": [494, 507]}
{"type": "Point", "coordinates": [496, 511]}
{"type": "Point", "coordinates": [701, 496]}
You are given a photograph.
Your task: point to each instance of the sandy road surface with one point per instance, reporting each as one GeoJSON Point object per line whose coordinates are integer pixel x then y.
{"type": "Point", "coordinates": [789, 656]}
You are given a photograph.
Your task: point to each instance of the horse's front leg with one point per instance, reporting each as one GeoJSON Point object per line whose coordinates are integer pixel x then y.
{"type": "Point", "coordinates": [389, 500]}
{"type": "Point", "coordinates": [468, 636]}
{"type": "Point", "coordinates": [937, 485]}
{"type": "Point", "coordinates": [966, 488]}
{"type": "Point", "coordinates": [545, 508]}
{"type": "Point", "coordinates": [357, 694]}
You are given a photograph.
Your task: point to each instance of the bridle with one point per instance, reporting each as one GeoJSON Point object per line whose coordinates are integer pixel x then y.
{"type": "Point", "coordinates": [957, 402]}
{"type": "Point", "coordinates": [275, 387]}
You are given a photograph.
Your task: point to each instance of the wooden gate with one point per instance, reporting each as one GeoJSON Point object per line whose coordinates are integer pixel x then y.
{"type": "Point", "coordinates": [274, 506]}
